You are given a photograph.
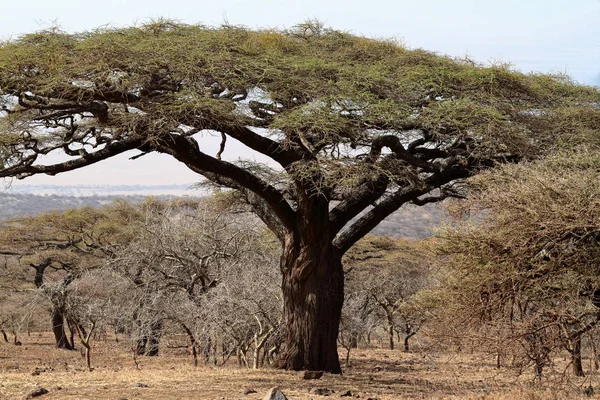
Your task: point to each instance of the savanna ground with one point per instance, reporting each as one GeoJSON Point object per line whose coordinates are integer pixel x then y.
{"type": "Point", "coordinates": [374, 373]}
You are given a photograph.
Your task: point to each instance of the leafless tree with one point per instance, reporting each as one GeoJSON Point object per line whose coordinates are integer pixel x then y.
{"type": "Point", "coordinates": [390, 274]}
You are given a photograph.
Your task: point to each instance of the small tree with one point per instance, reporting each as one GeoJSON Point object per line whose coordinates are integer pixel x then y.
{"type": "Point", "coordinates": [357, 312]}
{"type": "Point", "coordinates": [412, 315]}
{"type": "Point", "coordinates": [92, 300]}
{"type": "Point", "coordinates": [390, 273]}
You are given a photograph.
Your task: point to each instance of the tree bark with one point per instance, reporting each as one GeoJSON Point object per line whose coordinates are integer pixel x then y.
{"type": "Point", "coordinates": [406, 339]}
{"type": "Point", "coordinates": [313, 289]}
{"type": "Point", "coordinates": [390, 322]}
{"type": "Point", "coordinates": [576, 357]}
{"type": "Point", "coordinates": [58, 328]}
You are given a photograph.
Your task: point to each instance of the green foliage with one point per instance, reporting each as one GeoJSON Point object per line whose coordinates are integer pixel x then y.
{"type": "Point", "coordinates": [311, 71]}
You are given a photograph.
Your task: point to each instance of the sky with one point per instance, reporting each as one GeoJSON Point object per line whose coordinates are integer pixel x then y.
{"type": "Point", "coordinates": [532, 35]}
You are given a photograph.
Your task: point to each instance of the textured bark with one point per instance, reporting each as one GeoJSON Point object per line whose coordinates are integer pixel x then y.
{"type": "Point", "coordinates": [58, 328]}
{"type": "Point", "coordinates": [313, 288]}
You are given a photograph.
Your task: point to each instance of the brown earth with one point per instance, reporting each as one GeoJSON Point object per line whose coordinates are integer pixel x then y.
{"type": "Point", "coordinates": [374, 373]}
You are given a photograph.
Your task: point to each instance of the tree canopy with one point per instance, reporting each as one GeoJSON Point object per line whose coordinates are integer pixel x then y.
{"type": "Point", "coordinates": [330, 102]}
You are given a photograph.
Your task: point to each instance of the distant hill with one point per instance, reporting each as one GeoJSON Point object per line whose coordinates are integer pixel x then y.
{"type": "Point", "coordinates": [415, 222]}
{"type": "Point", "coordinates": [105, 190]}
{"type": "Point", "coordinates": [409, 222]}
{"type": "Point", "coordinates": [21, 204]}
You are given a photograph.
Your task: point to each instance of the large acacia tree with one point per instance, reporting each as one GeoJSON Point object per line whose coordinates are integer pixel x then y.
{"type": "Point", "coordinates": [352, 127]}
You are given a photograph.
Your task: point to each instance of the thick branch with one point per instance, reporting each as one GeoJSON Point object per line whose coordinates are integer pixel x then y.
{"type": "Point", "coordinates": [260, 207]}
{"type": "Point", "coordinates": [393, 202]}
{"type": "Point", "coordinates": [393, 143]}
{"type": "Point", "coordinates": [186, 150]}
{"type": "Point", "coordinates": [363, 196]}
{"type": "Point", "coordinates": [110, 150]}
{"type": "Point", "coordinates": [377, 214]}
{"type": "Point", "coordinates": [283, 156]}
{"type": "Point", "coordinates": [265, 213]}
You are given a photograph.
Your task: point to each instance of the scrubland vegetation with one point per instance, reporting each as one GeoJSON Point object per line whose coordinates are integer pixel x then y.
{"type": "Point", "coordinates": [502, 303]}
{"type": "Point", "coordinates": [277, 271]}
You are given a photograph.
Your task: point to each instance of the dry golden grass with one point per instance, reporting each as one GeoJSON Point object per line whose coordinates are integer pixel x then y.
{"type": "Point", "coordinates": [374, 373]}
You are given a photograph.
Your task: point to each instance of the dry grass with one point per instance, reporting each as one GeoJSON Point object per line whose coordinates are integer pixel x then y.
{"type": "Point", "coordinates": [375, 373]}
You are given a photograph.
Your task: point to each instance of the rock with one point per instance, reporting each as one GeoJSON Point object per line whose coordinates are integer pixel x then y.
{"type": "Point", "coordinates": [37, 392]}
{"type": "Point", "coordinates": [377, 368]}
{"type": "Point", "coordinates": [322, 391]}
{"type": "Point", "coordinates": [247, 391]}
{"type": "Point", "coordinates": [588, 391]}
{"type": "Point", "coordinates": [311, 374]}
{"type": "Point", "coordinates": [140, 385]}
{"type": "Point", "coordinates": [275, 394]}
{"type": "Point", "coordinates": [373, 398]}
{"type": "Point", "coordinates": [348, 393]}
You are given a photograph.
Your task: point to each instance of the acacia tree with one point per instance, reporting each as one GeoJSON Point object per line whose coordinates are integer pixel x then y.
{"type": "Point", "coordinates": [349, 124]}
{"type": "Point", "coordinates": [93, 299]}
{"type": "Point", "coordinates": [58, 246]}
{"type": "Point", "coordinates": [526, 270]}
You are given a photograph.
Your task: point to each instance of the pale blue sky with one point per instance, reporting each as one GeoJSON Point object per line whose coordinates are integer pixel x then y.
{"type": "Point", "coordinates": [533, 35]}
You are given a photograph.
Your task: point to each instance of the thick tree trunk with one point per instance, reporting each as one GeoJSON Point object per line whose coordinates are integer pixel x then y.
{"type": "Point", "coordinates": [58, 328]}
{"type": "Point", "coordinates": [313, 289]}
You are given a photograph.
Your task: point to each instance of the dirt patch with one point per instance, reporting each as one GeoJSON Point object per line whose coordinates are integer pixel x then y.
{"type": "Point", "coordinates": [373, 373]}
